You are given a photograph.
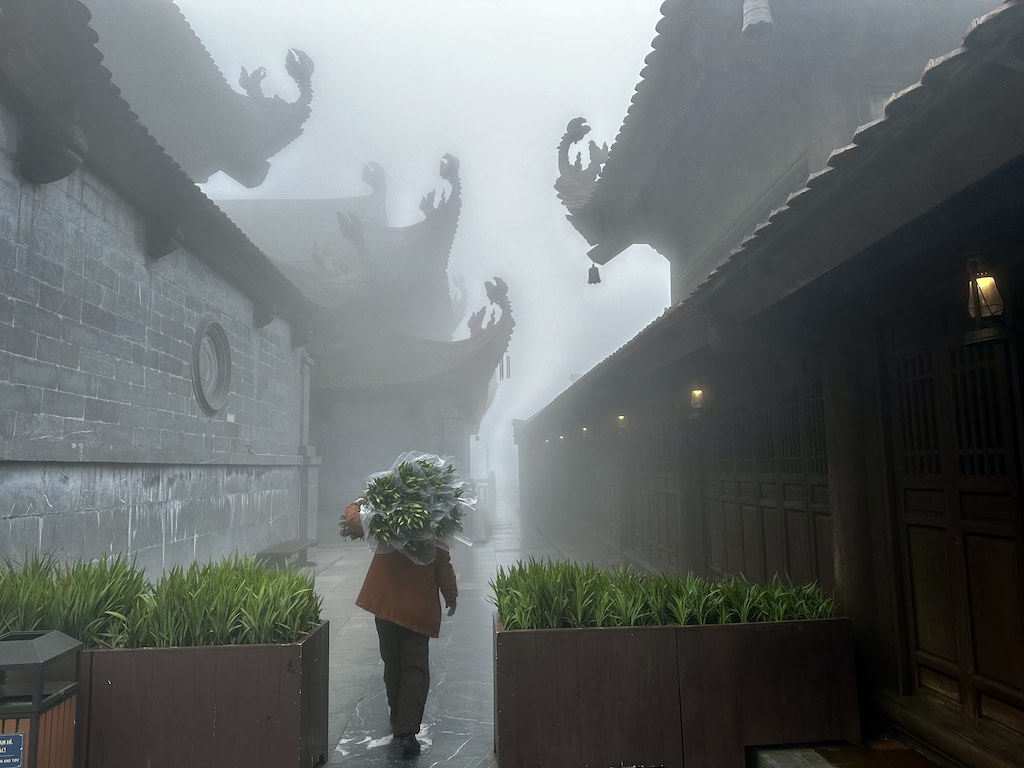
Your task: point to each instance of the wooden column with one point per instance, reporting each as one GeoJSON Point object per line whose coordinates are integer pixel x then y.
{"type": "Point", "coordinates": [857, 442]}
{"type": "Point", "coordinates": [693, 551]}
{"type": "Point", "coordinates": [309, 492]}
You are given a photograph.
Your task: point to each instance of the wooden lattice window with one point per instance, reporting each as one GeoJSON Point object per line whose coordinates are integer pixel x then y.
{"type": "Point", "coordinates": [916, 420]}
{"type": "Point", "coordinates": [763, 434]}
{"type": "Point", "coordinates": [978, 421]}
{"type": "Point", "coordinates": [790, 444]}
{"type": "Point", "coordinates": [814, 430]}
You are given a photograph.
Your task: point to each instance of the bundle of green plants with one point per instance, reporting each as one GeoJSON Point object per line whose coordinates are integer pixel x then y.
{"type": "Point", "coordinates": [111, 604]}
{"type": "Point", "coordinates": [555, 594]}
{"type": "Point", "coordinates": [413, 507]}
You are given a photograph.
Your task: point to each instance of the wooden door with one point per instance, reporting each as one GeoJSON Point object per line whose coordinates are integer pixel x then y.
{"type": "Point", "coordinates": [653, 466]}
{"type": "Point", "coordinates": [765, 485]}
{"type": "Point", "coordinates": [954, 412]}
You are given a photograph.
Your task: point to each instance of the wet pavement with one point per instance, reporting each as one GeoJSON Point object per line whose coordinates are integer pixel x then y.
{"type": "Point", "coordinates": [458, 725]}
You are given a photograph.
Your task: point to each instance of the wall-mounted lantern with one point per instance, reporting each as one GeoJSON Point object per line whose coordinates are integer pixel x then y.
{"type": "Point", "coordinates": [696, 399]}
{"type": "Point", "coordinates": [561, 437]}
{"type": "Point", "coordinates": [621, 419]}
{"type": "Point", "coordinates": [583, 430]}
{"type": "Point", "coordinates": [984, 305]}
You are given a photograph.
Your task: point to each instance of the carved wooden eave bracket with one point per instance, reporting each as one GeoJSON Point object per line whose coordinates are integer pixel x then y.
{"type": "Point", "coordinates": [262, 313]}
{"type": "Point", "coordinates": [576, 183]}
{"type": "Point", "coordinates": [44, 75]}
{"type": "Point", "coordinates": [50, 147]}
{"type": "Point", "coordinates": [162, 239]}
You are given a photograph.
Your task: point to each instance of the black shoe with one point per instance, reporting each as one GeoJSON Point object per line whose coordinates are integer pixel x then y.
{"type": "Point", "coordinates": [410, 747]}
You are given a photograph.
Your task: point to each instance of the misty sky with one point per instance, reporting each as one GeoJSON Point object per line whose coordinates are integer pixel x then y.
{"type": "Point", "coordinates": [401, 82]}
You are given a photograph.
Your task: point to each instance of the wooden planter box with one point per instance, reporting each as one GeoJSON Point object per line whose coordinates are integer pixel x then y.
{"type": "Point", "coordinates": [670, 696]}
{"type": "Point", "coordinates": [257, 706]}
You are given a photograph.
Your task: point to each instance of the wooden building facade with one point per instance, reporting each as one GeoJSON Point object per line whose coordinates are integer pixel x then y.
{"type": "Point", "coordinates": [825, 406]}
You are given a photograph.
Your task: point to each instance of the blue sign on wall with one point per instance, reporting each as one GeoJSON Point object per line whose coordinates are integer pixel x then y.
{"type": "Point", "coordinates": [11, 750]}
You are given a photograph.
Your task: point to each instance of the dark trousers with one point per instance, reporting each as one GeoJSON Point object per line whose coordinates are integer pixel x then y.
{"type": "Point", "coordinates": [406, 674]}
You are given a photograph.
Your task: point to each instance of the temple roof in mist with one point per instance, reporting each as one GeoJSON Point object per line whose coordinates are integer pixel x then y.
{"type": "Point", "coordinates": [347, 260]}
{"type": "Point", "coordinates": [712, 121]}
{"type": "Point", "coordinates": [66, 96]}
{"type": "Point", "coordinates": [462, 368]}
{"type": "Point", "coordinates": [957, 126]}
{"type": "Point", "coordinates": [168, 76]}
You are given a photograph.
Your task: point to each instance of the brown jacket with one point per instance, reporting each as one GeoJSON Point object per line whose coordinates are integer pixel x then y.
{"type": "Point", "coordinates": [398, 590]}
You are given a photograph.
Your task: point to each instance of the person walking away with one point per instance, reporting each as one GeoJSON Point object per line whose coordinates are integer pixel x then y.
{"type": "Point", "coordinates": [404, 598]}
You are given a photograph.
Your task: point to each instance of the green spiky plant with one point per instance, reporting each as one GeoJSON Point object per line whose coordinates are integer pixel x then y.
{"type": "Point", "coordinates": [109, 603]}
{"type": "Point", "coordinates": [544, 594]}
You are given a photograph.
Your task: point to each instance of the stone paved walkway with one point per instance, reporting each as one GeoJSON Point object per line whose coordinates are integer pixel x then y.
{"type": "Point", "coordinates": [458, 726]}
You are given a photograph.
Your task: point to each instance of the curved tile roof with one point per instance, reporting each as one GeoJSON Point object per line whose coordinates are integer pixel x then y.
{"type": "Point", "coordinates": [991, 45]}
{"type": "Point", "coordinates": [172, 81]}
{"type": "Point", "coordinates": [123, 150]}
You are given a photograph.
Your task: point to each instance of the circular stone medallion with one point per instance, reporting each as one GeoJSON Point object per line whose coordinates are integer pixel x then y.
{"type": "Point", "coordinates": [211, 366]}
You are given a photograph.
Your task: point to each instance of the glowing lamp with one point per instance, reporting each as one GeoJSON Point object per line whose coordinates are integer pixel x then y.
{"type": "Point", "coordinates": [696, 398]}
{"type": "Point", "coordinates": [984, 305]}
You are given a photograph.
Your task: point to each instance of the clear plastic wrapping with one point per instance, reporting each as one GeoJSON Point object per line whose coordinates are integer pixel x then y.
{"type": "Point", "coordinates": [416, 506]}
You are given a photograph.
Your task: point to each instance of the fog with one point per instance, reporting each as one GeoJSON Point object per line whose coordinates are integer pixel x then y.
{"type": "Point", "coordinates": [494, 84]}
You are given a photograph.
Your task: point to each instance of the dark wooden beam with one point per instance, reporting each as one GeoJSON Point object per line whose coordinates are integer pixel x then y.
{"type": "Point", "coordinates": [262, 314]}
{"type": "Point", "coordinates": [50, 148]}
{"type": "Point", "coordinates": [161, 240]}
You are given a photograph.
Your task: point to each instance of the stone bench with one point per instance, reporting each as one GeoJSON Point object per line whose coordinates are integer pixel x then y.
{"type": "Point", "coordinates": [286, 554]}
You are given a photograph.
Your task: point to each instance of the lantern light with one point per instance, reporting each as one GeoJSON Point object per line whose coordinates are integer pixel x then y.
{"type": "Point", "coordinates": [561, 437]}
{"type": "Point", "coordinates": [622, 417]}
{"type": "Point", "coordinates": [984, 305]}
{"type": "Point", "coordinates": [584, 429]}
{"type": "Point", "coordinates": [696, 398]}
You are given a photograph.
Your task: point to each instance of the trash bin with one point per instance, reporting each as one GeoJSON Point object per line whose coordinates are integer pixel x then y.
{"type": "Point", "coordinates": [38, 698]}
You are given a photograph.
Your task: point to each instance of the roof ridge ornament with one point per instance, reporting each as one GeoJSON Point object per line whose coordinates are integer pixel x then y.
{"type": "Point", "coordinates": [576, 183]}
{"type": "Point", "coordinates": [281, 121]}
{"type": "Point", "coordinates": [376, 178]}
{"type": "Point", "coordinates": [497, 295]}
{"type": "Point", "coordinates": [299, 67]}
{"type": "Point", "coordinates": [449, 171]}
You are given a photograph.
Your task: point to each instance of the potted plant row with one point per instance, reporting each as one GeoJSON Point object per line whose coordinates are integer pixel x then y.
{"type": "Point", "coordinates": [218, 664]}
{"type": "Point", "coordinates": [599, 668]}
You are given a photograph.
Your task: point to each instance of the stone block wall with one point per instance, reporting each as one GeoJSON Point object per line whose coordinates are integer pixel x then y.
{"type": "Point", "coordinates": [102, 440]}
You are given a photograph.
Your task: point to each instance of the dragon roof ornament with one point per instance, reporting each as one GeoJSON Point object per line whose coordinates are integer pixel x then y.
{"type": "Point", "coordinates": [575, 182]}
{"type": "Point", "coordinates": [282, 121]}
{"type": "Point", "coordinates": [497, 295]}
{"type": "Point", "coordinates": [449, 171]}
